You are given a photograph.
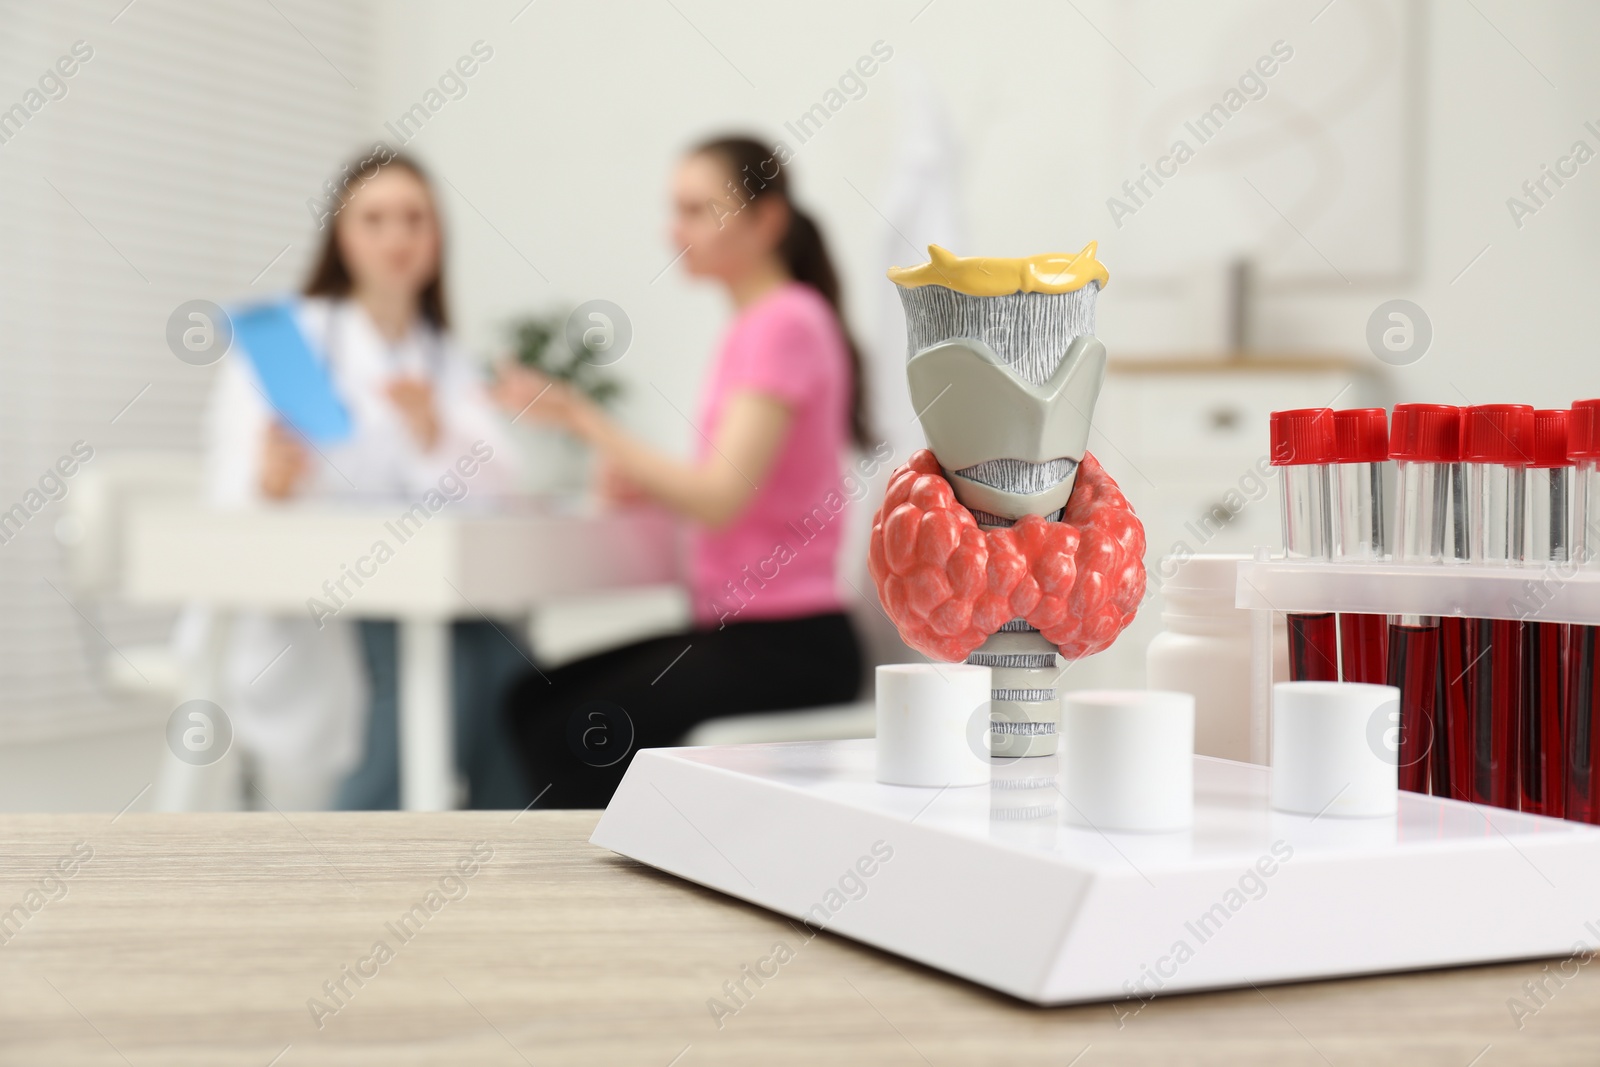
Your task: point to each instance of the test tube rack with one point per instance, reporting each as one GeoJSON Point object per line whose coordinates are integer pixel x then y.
{"type": "Point", "coordinates": [1561, 592]}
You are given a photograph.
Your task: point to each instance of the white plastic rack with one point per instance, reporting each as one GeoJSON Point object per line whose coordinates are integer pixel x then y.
{"type": "Point", "coordinates": [1534, 592]}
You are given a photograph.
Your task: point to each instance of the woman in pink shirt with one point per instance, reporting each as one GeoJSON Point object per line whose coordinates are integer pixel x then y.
{"type": "Point", "coordinates": [780, 409]}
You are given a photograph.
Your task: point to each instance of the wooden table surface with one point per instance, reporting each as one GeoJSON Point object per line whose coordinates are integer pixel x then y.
{"type": "Point", "coordinates": [208, 939]}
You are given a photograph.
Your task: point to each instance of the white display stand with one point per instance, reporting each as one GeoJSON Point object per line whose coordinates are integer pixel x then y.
{"type": "Point", "coordinates": [995, 884]}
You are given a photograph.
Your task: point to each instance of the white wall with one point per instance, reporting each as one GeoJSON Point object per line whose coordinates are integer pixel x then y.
{"type": "Point", "coordinates": [1516, 327]}
{"type": "Point", "coordinates": [566, 138]}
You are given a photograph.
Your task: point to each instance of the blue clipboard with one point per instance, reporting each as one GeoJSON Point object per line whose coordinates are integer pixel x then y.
{"type": "Point", "coordinates": [296, 381]}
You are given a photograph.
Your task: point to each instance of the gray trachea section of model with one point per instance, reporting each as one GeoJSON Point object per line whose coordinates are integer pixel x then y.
{"type": "Point", "coordinates": [1030, 332]}
{"type": "Point", "coordinates": [1015, 441]}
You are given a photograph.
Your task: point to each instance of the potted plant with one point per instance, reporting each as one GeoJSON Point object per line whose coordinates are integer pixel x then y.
{"type": "Point", "coordinates": [555, 461]}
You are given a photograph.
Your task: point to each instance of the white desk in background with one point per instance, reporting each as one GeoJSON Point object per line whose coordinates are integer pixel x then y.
{"type": "Point", "coordinates": [462, 563]}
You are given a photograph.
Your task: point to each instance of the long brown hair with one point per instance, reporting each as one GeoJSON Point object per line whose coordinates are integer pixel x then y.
{"type": "Point", "coordinates": [331, 277]}
{"type": "Point", "coordinates": [755, 169]}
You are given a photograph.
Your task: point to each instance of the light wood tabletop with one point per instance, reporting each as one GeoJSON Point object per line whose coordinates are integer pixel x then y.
{"type": "Point", "coordinates": [483, 938]}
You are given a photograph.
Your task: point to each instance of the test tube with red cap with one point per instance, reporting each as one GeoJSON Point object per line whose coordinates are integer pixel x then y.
{"type": "Point", "coordinates": [1451, 766]}
{"type": "Point", "coordinates": [1360, 530]}
{"type": "Point", "coordinates": [1425, 443]}
{"type": "Point", "coordinates": [1583, 649]}
{"type": "Point", "coordinates": [1302, 445]}
{"type": "Point", "coordinates": [1497, 447]}
{"type": "Point", "coordinates": [1541, 779]}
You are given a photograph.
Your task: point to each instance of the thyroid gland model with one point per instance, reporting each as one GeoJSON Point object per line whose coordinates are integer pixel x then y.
{"type": "Point", "coordinates": [1004, 542]}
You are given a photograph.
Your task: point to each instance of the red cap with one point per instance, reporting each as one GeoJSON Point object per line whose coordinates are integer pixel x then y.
{"type": "Point", "coordinates": [1497, 433]}
{"type": "Point", "coordinates": [1302, 436]}
{"type": "Point", "coordinates": [1361, 435]}
{"type": "Point", "coordinates": [1426, 433]}
{"type": "Point", "coordinates": [1583, 430]}
{"type": "Point", "coordinates": [1550, 438]}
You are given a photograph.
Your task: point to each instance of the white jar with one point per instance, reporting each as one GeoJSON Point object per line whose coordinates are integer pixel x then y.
{"type": "Point", "coordinates": [1205, 650]}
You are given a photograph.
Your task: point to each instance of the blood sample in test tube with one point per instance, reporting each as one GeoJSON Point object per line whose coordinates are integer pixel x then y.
{"type": "Point", "coordinates": [1541, 778]}
{"type": "Point", "coordinates": [1425, 442]}
{"type": "Point", "coordinates": [1361, 530]}
{"type": "Point", "coordinates": [1451, 774]}
{"type": "Point", "coordinates": [1583, 648]}
{"type": "Point", "coordinates": [1496, 447]}
{"type": "Point", "coordinates": [1302, 445]}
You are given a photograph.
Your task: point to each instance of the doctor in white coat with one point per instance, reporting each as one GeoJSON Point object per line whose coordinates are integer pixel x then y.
{"type": "Point", "coordinates": [312, 698]}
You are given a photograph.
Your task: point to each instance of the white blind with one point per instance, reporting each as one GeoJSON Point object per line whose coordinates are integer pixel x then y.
{"type": "Point", "coordinates": [176, 166]}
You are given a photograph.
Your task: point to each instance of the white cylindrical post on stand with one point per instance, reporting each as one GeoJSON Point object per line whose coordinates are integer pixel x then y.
{"type": "Point", "coordinates": [1331, 748]}
{"type": "Point", "coordinates": [933, 724]}
{"type": "Point", "coordinates": [1127, 759]}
